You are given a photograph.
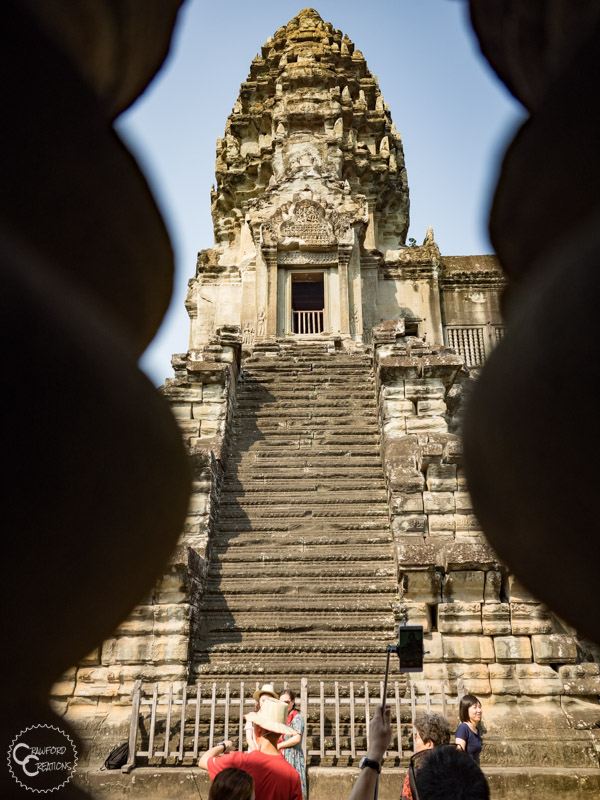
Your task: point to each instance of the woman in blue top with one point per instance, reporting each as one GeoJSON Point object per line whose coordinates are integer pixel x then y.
{"type": "Point", "coordinates": [467, 734]}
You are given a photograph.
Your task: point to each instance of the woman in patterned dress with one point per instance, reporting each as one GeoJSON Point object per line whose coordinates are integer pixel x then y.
{"type": "Point", "coordinates": [290, 747]}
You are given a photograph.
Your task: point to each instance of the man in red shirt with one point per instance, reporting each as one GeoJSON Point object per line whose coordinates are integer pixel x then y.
{"type": "Point", "coordinates": [274, 778]}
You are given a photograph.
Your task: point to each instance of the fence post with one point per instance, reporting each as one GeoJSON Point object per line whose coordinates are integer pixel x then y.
{"type": "Point", "coordinates": [428, 697]}
{"type": "Point", "coordinates": [182, 724]}
{"type": "Point", "coordinates": [153, 721]}
{"type": "Point", "coordinates": [337, 719]}
{"type": "Point", "coordinates": [133, 726]}
{"type": "Point", "coordinates": [304, 711]}
{"type": "Point", "coordinates": [211, 733]}
{"type": "Point", "coordinates": [398, 717]}
{"type": "Point", "coordinates": [367, 713]}
{"type": "Point", "coordinates": [197, 719]}
{"type": "Point", "coordinates": [322, 720]}
{"type": "Point", "coordinates": [241, 725]}
{"type": "Point", "coordinates": [352, 716]}
{"type": "Point", "coordinates": [226, 726]}
{"type": "Point", "coordinates": [168, 722]}
{"type": "Point", "coordinates": [413, 714]}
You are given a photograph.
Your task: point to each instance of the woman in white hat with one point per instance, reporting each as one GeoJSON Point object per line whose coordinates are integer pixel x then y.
{"type": "Point", "coordinates": [266, 690]}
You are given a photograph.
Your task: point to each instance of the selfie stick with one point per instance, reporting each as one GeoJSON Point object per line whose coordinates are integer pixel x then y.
{"type": "Point", "coordinates": [390, 649]}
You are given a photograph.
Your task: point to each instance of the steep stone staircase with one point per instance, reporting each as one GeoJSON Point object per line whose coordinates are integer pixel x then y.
{"type": "Point", "coordinates": [301, 579]}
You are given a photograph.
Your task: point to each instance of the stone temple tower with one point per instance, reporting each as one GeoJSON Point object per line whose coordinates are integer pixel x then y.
{"type": "Point", "coordinates": [310, 185]}
{"type": "Point", "coordinates": [321, 400]}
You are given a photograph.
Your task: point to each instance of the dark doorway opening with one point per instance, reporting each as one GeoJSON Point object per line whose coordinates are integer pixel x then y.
{"type": "Point", "coordinates": [308, 302]}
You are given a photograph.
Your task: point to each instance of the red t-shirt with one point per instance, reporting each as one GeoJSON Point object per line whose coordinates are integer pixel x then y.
{"type": "Point", "coordinates": [274, 778]}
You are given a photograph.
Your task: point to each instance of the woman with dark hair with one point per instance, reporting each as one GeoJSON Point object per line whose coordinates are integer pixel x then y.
{"type": "Point", "coordinates": [290, 747]}
{"type": "Point", "coordinates": [468, 736]}
{"type": "Point", "coordinates": [232, 784]}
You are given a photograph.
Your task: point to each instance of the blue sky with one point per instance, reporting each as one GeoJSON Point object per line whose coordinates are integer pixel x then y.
{"type": "Point", "coordinates": [454, 116]}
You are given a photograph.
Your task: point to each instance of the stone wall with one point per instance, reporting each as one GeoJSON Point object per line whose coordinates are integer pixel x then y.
{"type": "Point", "coordinates": [155, 642]}
{"type": "Point", "coordinates": [480, 624]}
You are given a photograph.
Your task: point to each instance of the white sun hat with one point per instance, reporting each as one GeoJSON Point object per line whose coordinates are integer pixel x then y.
{"type": "Point", "coordinates": [272, 717]}
{"type": "Point", "coordinates": [266, 688]}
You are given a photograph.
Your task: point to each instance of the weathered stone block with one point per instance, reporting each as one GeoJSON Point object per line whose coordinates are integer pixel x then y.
{"type": "Point", "coordinates": [475, 678]}
{"type": "Point", "coordinates": [461, 480]}
{"type": "Point", "coordinates": [492, 586]}
{"type": "Point", "coordinates": [495, 618]}
{"type": "Point", "coordinates": [172, 619]}
{"type": "Point", "coordinates": [431, 408]}
{"type": "Point", "coordinates": [512, 649]}
{"type": "Point", "coordinates": [422, 586]}
{"type": "Point", "coordinates": [170, 648]}
{"type": "Point", "coordinates": [182, 411]}
{"type": "Point", "coordinates": [127, 650]}
{"type": "Point", "coordinates": [537, 681]}
{"type": "Point", "coordinates": [554, 648]}
{"type": "Point", "coordinates": [459, 618]}
{"type": "Point", "coordinates": [439, 502]}
{"type": "Point", "coordinates": [91, 658]}
{"type": "Point", "coordinates": [199, 504]}
{"type": "Point", "coordinates": [463, 556]}
{"type": "Point", "coordinates": [474, 649]}
{"type": "Point", "coordinates": [429, 424]}
{"type": "Point", "coordinates": [394, 428]}
{"type": "Point", "coordinates": [424, 389]}
{"type": "Point", "coordinates": [442, 522]}
{"type": "Point", "coordinates": [403, 503]}
{"type": "Point", "coordinates": [432, 645]}
{"type": "Point", "coordinates": [394, 389]}
{"type": "Point", "coordinates": [213, 393]}
{"type": "Point", "coordinates": [580, 679]}
{"type": "Point", "coordinates": [503, 679]}
{"type": "Point", "coordinates": [416, 555]}
{"type": "Point", "coordinates": [391, 408]}
{"type": "Point", "coordinates": [409, 523]}
{"type": "Point", "coordinates": [463, 586]}
{"type": "Point", "coordinates": [467, 522]}
{"type": "Point", "coordinates": [517, 593]}
{"type": "Point", "coordinates": [441, 478]}
{"type": "Point", "coordinates": [528, 618]}
{"type": "Point", "coordinates": [416, 614]}
{"type": "Point", "coordinates": [463, 502]}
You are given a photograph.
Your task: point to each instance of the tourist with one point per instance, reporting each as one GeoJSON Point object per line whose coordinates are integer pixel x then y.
{"type": "Point", "coordinates": [468, 736]}
{"type": "Point", "coordinates": [232, 784]}
{"type": "Point", "coordinates": [430, 730]}
{"type": "Point", "coordinates": [290, 747]}
{"type": "Point", "coordinates": [380, 735]}
{"type": "Point", "coordinates": [274, 778]}
{"type": "Point", "coordinates": [448, 773]}
{"type": "Point", "coordinates": [266, 690]}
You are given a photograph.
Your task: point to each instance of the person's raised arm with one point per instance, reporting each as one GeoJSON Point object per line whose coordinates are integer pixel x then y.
{"type": "Point", "coordinates": [218, 750]}
{"type": "Point", "coordinates": [380, 735]}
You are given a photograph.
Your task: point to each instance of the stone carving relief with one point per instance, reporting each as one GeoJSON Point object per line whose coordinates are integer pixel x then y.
{"type": "Point", "coordinates": [261, 322]}
{"type": "Point", "coordinates": [303, 257]}
{"type": "Point", "coordinates": [248, 334]}
{"type": "Point", "coordinates": [309, 224]}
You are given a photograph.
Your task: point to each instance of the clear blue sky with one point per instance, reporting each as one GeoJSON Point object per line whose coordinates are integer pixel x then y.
{"type": "Point", "coordinates": [454, 116]}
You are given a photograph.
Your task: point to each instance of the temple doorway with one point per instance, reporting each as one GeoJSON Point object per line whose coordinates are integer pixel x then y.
{"type": "Point", "coordinates": [307, 303]}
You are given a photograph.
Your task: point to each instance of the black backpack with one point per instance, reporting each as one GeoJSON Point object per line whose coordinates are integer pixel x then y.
{"type": "Point", "coordinates": [118, 757]}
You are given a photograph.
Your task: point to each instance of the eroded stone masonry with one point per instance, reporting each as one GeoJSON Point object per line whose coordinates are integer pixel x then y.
{"type": "Point", "coordinates": [321, 400]}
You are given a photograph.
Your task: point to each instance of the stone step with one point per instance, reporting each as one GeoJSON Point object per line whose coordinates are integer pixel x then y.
{"type": "Point", "coordinates": [300, 526]}
{"type": "Point", "coordinates": [332, 457]}
{"type": "Point", "coordinates": [302, 510]}
{"type": "Point", "coordinates": [331, 552]}
{"type": "Point", "coordinates": [246, 395]}
{"type": "Point", "coordinates": [302, 537]}
{"type": "Point", "coordinates": [303, 490]}
{"type": "Point", "coordinates": [266, 603]}
{"type": "Point", "coordinates": [335, 441]}
{"type": "Point", "coordinates": [247, 475]}
{"type": "Point", "coordinates": [319, 585]}
{"type": "Point", "coordinates": [278, 570]}
{"type": "Point", "coordinates": [295, 622]}
{"type": "Point", "coordinates": [321, 411]}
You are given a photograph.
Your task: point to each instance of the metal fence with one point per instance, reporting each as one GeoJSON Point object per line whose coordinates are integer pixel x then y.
{"type": "Point", "coordinates": [177, 720]}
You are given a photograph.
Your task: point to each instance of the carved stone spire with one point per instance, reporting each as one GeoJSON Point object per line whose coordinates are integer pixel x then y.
{"type": "Point", "coordinates": [309, 114]}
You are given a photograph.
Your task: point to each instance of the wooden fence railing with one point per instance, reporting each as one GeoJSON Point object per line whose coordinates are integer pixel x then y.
{"type": "Point", "coordinates": [175, 724]}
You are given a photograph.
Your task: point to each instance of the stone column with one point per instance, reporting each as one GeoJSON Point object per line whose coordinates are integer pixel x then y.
{"type": "Point", "coordinates": [270, 256]}
{"type": "Point", "coordinates": [343, 261]}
